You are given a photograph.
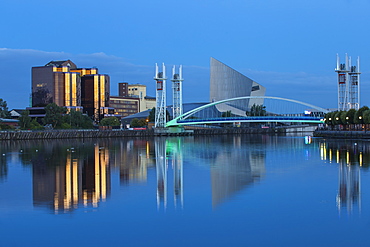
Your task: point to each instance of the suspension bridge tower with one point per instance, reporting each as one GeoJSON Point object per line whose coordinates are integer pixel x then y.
{"type": "Point", "coordinates": [348, 84]}
{"type": "Point", "coordinates": [354, 87]}
{"type": "Point", "coordinates": [342, 70]}
{"type": "Point", "coordinates": [160, 110]}
{"type": "Point", "coordinates": [177, 92]}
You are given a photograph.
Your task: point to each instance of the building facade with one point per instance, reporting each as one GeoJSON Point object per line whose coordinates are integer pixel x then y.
{"type": "Point", "coordinates": [63, 83]}
{"type": "Point", "coordinates": [226, 83]}
{"type": "Point", "coordinates": [95, 95]}
{"type": "Point", "coordinates": [132, 99]}
{"type": "Point", "coordinates": [124, 106]}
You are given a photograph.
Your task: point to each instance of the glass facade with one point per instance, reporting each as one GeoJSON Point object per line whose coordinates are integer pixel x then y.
{"type": "Point", "coordinates": [227, 83]}
{"type": "Point", "coordinates": [124, 106]}
{"type": "Point", "coordinates": [61, 82]}
{"type": "Point", "coordinates": [95, 94]}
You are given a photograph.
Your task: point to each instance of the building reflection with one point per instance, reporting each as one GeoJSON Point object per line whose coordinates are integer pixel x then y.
{"type": "Point", "coordinates": [77, 178]}
{"type": "Point", "coordinates": [134, 158]}
{"type": "Point", "coordinates": [350, 157]}
{"type": "Point", "coordinates": [234, 169]}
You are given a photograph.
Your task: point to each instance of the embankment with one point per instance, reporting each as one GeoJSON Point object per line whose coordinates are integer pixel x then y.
{"type": "Point", "coordinates": [72, 134]}
{"type": "Point", "coordinates": [342, 134]}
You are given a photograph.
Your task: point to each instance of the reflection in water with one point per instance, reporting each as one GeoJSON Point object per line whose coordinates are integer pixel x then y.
{"type": "Point", "coordinates": [79, 176]}
{"type": "Point", "coordinates": [171, 149]}
{"type": "Point", "coordinates": [161, 167]}
{"type": "Point", "coordinates": [133, 157]}
{"type": "Point", "coordinates": [233, 169]}
{"type": "Point", "coordinates": [350, 157]}
{"type": "Point", "coordinates": [73, 174]}
{"type": "Point", "coordinates": [349, 187]}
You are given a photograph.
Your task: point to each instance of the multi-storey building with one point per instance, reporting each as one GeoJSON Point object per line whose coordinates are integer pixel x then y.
{"type": "Point", "coordinates": [95, 95]}
{"type": "Point", "coordinates": [132, 99]}
{"type": "Point", "coordinates": [124, 106]}
{"type": "Point", "coordinates": [63, 83]}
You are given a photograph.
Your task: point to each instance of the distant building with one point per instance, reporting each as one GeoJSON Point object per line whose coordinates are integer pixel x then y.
{"type": "Point", "coordinates": [138, 90]}
{"type": "Point", "coordinates": [124, 106]}
{"type": "Point", "coordinates": [132, 99]}
{"type": "Point", "coordinates": [226, 83]}
{"type": "Point", "coordinates": [16, 113]}
{"type": "Point", "coordinates": [81, 89]}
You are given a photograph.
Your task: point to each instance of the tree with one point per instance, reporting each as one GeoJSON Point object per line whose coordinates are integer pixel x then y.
{"type": "Point", "coordinates": [359, 115]}
{"type": "Point", "coordinates": [5, 126]}
{"type": "Point", "coordinates": [366, 116]}
{"type": "Point", "coordinates": [226, 114]}
{"type": "Point", "coordinates": [257, 110]}
{"type": "Point", "coordinates": [336, 117]}
{"type": "Point", "coordinates": [329, 118]}
{"type": "Point", "coordinates": [138, 123]}
{"type": "Point", "coordinates": [25, 120]}
{"type": "Point", "coordinates": [350, 116]}
{"type": "Point", "coordinates": [151, 116]}
{"type": "Point", "coordinates": [110, 121]}
{"type": "Point", "coordinates": [343, 116]}
{"type": "Point", "coordinates": [54, 115]}
{"type": "Point", "coordinates": [4, 113]}
{"type": "Point", "coordinates": [77, 120]}
{"type": "Point", "coordinates": [35, 125]}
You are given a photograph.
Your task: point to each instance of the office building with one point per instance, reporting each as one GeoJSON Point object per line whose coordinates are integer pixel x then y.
{"type": "Point", "coordinates": [56, 83]}
{"type": "Point", "coordinates": [132, 99]}
{"type": "Point", "coordinates": [95, 96]}
{"type": "Point", "coordinates": [63, 83]}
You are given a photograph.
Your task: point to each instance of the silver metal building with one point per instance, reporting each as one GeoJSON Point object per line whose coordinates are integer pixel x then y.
{"type": "Point", "coordinates": [226, 83]}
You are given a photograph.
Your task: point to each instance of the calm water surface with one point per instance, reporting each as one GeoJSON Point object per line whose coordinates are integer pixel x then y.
{"type": "Point", "coordinates": [189, 191]}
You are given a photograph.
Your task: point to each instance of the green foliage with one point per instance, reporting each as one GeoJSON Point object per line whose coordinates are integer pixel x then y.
{"type": "Point", "coordinates": [54, 115]}
{"type": "Point", "coordinates": [4, 113]}
{"type": "Point", "coordinates": [110, 121]}
{"type": "Point", "coordinates": [138, 123]}
{"type": "Point", "coordinates": [77, 120]}
{"type": "Point", "coordinates": [65, 126]}
{"type": "Point", "coordinates": [350, 116]}
{"type": "Point", "coordinates": [257, 110]}
{"type": "Point", "coordinates": [329, 118]}
{"type": "Point", "coordinates": [5, 126]}
{"type": "Point", "coordinates": [336, 117]}
{"type": "Point", "coordinates": [151, 116]}
{"type": "Point", "coordinates": [366, 116]}
{"type": "Point", "coordinates": [226, 114]}
{"type": "Point", "coordinates": [359, 115]}
{"type": "Point", "coordinates": [34, 125]}
{"type": "Point", "coordinates": [343, 116]}
{"type": "Point", "coordinates": [25, 120]}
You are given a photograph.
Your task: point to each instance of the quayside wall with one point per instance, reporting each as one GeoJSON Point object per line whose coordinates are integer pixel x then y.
{"type": "Point", "coordinates": [342, 134]}
{"type": "Point", "coordinates": [72, 134]}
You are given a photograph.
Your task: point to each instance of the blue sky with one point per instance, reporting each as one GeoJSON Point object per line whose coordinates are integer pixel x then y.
{"type": "Point", "coordinates": [288, 46]}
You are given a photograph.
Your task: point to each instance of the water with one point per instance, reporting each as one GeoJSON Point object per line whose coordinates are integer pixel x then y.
{"type": "Point", "coordinates": [190, 191]}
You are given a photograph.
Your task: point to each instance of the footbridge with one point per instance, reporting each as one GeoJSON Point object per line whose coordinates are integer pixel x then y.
{"type": "Point", "coordinates": [270, 109]}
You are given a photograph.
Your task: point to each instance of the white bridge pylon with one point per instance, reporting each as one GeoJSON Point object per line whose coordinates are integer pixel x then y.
{"type": "Point", "coordinates": [177, 121]}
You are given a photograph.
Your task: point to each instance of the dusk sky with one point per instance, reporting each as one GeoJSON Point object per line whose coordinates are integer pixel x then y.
{"type": "Point", "coordinates": [288, 46]}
